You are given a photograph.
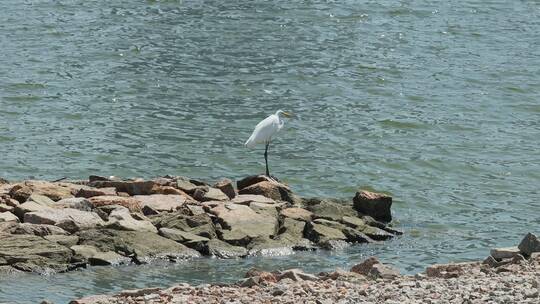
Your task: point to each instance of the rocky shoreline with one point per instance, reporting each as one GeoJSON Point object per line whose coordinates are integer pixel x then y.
{"type": "Point", "coordinates": [507, 275]}
{"type": "Point", "coordinates": [48, 227]}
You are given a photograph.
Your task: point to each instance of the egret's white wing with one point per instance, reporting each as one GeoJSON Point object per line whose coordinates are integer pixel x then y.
{"type": "Point", "coordinates": [263, 131]}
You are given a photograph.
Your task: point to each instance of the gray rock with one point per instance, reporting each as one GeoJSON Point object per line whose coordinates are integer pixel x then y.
{"type": "Point", "coordinates": [383, 271]}
{"type": "Point", "coordinates": [33, 253]}
{"type": "Point", "coordinates": [121, 219]}
{"type": "Point", "coordinates": [226, 186]}
{"type": "Point", "coordinates": [161, 202]}
{"type": "Point", "coordinates": [189, 239]}
{"type": "Point", "coordinates": [71, 220]}
{"type": "Point", "coordinates": [376, 205]}
{"type": "Point", "coordinates": [297, 214]}
{"type": "Point", "coordinates": [64, 240]}
{"type": "Point", "coordinates": [79, 203]}
{"type": "Point", "coordinates": [251, 180]}
{"type": "Point", "coordinates": [143, 246]}
{"type": "Point", "coordinates": [247, 199]}
{"type": "Point", "coordinates": [330, 209]}
{"type": "Point", "coordinates": [271, 189]}
{"type": "Point", "coordinates": [529, 244]}
{"type": "Point", "coordinates": [296, 275]}
{"type": "Point", "coordinates": [38, 229]}
{"type": "Point", "coordinates": [40, 199]}
{"type": "Point", "coordinates": [26, 207]}
{"type": "Point", "coordinates": [87, 192]}
{"type": "Point", "coordinates": [211, 194]}
{"type": "Point", "coordinates": [199, 224]}
{"type": "Point", "coordinates": [95, 257]}
{"type": "Point", "coordinates": [136, 187]}
{"type": "Point", "coordinates": [320, 233]}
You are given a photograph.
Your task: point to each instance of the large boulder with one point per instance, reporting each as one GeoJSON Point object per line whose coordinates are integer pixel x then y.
{"type": "Point", "coordinates": [296, 213]}
{"type": "Point", "coordinates": [93, 256]}
{"type": "Point", "coordinates": [271, 189]}
{"type": "Point", "coordinates": [29, 206]}
{"type": "Point", "coordinates": [33, 253]}
{"type": "Point", "coordinates": [161, 202]}
{"type": "Point", "coordinates": [122, 219]}
{"type": "Point", "coordinates": [252, 180]}
{"type": "Point", "coordinates": [330, 209]}
{"type": "Point", "coordinates": [128, 202]}
{"type": "Point", "coordinates": [71, 220]}
{"type": "Point", "coordinates": [198, 224]}
{"type": "Point", "coordinates": [240, 223]}
{"type": "Point", "coordinates": [376, 205]}
{"type": "Point", "coordinates": [209, 194]}
{"type": "Point", "coordinates": [360, 225]}
{"type": "Point", "coordinates": [140, 245]}
{"type": "Point", "coordinates": [135, 187]}
{"type": "Point", "coordinates": [529, 244]}
{"type": "Point", "coordinates": [189, 239]}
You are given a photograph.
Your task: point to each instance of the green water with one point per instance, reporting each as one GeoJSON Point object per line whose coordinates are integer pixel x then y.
{"type": "Point", "coordinates": [436, 102]}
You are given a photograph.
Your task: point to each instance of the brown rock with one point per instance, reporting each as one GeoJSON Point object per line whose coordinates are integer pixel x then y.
{"type": "Point", "coordinates": [365, 267]}
{"type": "Point", "coordinates": [22, 191]}
{"type": "Point", "coordinates": [128, 202]}
{"type": "Point", "coordinates": [226, 186]}
{"type": "Point", "coordinates": [270, 189]}
{"type": "Point", "coordinates": [450, 270]}
{"type": "Point", "coordinates": [251, 180]}
{"type": "Point", "coordinates": [161, 202]}
{"type": "Point", "coordinates": [376, 205]}
{"type": "Point", "coordinates": [135, 187]}
{"type": "Point", "coordinates": [168, 190]}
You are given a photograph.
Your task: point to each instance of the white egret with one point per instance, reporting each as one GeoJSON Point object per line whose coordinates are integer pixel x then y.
{"type": "Point", "coordinates": [264, 131]}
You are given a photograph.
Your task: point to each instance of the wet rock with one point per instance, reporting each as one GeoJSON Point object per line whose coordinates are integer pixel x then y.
{"type": "Point", "coordinates": [22, 191]}
{"type": "Point", "coordinates": [297, 214]}
{"type": "Point", "coordinates": [161, 202]}
{"type": "Point", "coordinates": [355, 236]}
{"type": "Point", "coordinates": [71, 220]}
{"type": "Point", "coordinates": [333, 244]}
{"type": "Point", "coordinates": [135, 187]}
{"type": "Point", "coordinates": [270, 189]}
{"type": "Point", "coordinates": [64, 240]}
{"type": "Point", "coordinates": [330, 209]}
{"type": "Point", "coordinates": [376, 205]}
{"type": "Point", "coordinates": [247, 199]}
{"type": "Point", "coordinates": [269, 247]}
{"type": "Point", "coordinates": [360, 225]}
{"type": "Point", "coordinates": [200, 224]}
{"type": "Point", "coordinates": [210, 194]}
{"type": "Point", "coordinates": [8, 217]}
{"type": "Point", "coordinates": [38, 229]}
{"type": "Point", "coordinates": [87, 192]}
{"type": "Point", "coordinates": [78, 203]}
{"type": "Point", "coordinates": [128, 202]}
{"type": "Point", "coordinates": [122, 219]}
{"type": "Point", "coordinates": [33, 253]}
{"type": "Point", "coordinates": [320, 233]}
{"type": "Point", "coordinates": [504, 253]}
{"type": "Point", "coordinates": [226, 186]}
{"type": "Point", "coordinates": [141, 245]}
{"type": "Point", "coordinates": [529, 244]}
{"type": "Point", "coordinates": [291, 234]}
{"type": "Point", "coordinates": [240, 223]}
{"type": "Point", "coordinates": [221, 249]}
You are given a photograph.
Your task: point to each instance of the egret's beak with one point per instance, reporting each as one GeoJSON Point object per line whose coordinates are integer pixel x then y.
{"type": "Point", "coordinates": [287, 114]}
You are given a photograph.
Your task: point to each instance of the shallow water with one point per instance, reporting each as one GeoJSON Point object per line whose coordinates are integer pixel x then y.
{"type": "Point", "coordinates": [436, 103]}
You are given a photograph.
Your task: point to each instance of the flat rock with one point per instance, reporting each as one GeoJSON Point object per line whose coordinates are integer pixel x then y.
{"type": "Point", "coordinates": [38, 229]}
{"type": "Point", "coordinates": [296, 213]}
{"type": "Point", "coordinates": [320, 233]}
{"type": "Point", "coordinates": [161, 202]}
{"type": "Point", "coordinates": [210, 194]}
{"type": "Point", "coordinates": [71, 220]}
{"type": "Point", "coordinates": [226, 186]}
{"type": "Point", "coordinates": [54, 191]}
{"type": "Point", "coordinates": [95, 257]}
{"type": "Point", "coordinates": [246, 199]}
{"type": "Point", "coordinates": [182, 236]}
{"type": "Point", "coordinates": [8, 217]}
{"type": "Point", "coordinates": [529, 244]}
{"type": "Point", "coordinates": [270, 189]}
{"type": "Point", "coordinates": [330, 209]}
{"type": "Point", "coordinates": [141, 245]}
{"type": "Point", "coordinates": [40, 199]}
{"type": "Point", "coordinates": [376, 205]}
{"type": "Point", "coordinates": [122, 219]}
{"type": "Point", "coordinates": [33, 253]}
{"type": "Point", "coordinates": [241, 223]}
{"type": "Point", "coordinates": [504, 253]}
{"type": "Point", "coordinates": [128, 202]}
{"type": "Point", "coordinates": [199, 224]}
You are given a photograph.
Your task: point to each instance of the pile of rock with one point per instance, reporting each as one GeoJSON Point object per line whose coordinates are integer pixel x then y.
{"type": "Point", "coordinates": [58, 226]}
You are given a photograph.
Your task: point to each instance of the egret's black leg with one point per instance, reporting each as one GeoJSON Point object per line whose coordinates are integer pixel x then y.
{"type": "Point", "coordinates": [266, 158]}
